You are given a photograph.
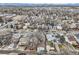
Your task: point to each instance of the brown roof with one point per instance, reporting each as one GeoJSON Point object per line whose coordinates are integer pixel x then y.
{"type": "Point", "coordinates": [71, 38]}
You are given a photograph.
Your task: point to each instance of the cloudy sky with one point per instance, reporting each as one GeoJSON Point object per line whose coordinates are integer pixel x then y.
{"type": "Point", "coordinates": [39, 1]}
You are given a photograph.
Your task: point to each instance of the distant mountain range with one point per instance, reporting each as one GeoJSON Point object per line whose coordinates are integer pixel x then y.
{"type": "Point", "coordinates": [37, 5]}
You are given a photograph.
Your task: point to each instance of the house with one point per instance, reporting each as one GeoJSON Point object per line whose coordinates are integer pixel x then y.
{"type": "Point", "coordinates": [73, 25]}
{"type": "Point", "coordinates": [23, 42]}
{"type": "Point", "coordinates": [26, 25]}
{"type": "Point", "coordinates": [71, 39]}
{"type": "Point", "coordinates": [59, 27]}
{"type": "Point", "coordinates": [49, 48]}
{"type": "Point", "coordinates": [50, 37]}
{"type": "Point", "coordinates": [41, 50]}
{"type": "Point", "coordinates": [16, 36]}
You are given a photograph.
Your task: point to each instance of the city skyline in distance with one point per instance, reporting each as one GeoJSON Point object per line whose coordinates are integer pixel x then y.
{"type": "Point", "coordinates": [40, 1]}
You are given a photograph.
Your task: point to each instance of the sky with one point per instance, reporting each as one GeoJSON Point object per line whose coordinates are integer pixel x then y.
{"type": "Point", "coordinates": [40, 1]}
